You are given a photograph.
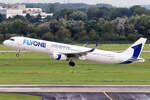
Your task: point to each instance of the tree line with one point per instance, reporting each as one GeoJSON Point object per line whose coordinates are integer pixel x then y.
{"type": "Point", "coordinates": [81, 24]}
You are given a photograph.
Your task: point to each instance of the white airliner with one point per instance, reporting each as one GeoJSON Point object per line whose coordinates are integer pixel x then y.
{"type": "Point", "coordinates": [60, 51]}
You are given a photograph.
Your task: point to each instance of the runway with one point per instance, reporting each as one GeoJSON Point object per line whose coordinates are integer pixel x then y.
{"type": "Point", "coordinates": [81, 92]}
{"type": "Point", "coordinates": [76, 88]}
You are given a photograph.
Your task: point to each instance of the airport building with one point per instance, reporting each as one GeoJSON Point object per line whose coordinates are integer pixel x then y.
{"type": "Point", "coordinates": [36, 11]}
{"type": "Point", "coordinates": [13, 10]}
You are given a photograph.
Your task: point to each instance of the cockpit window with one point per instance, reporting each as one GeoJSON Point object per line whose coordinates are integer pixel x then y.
{"type": "Point", "coordinates": [12, 39]}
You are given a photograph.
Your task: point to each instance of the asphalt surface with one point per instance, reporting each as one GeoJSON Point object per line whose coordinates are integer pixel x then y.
{"type": "Point", "coordinates": [82, 92]}
{"type": "Point", "coordinates": [76, 88]}
{"type": "Point", "coordinates": [94, 96]}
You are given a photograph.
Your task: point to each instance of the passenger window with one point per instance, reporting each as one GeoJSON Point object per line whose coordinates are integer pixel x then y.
{"type": "Point", "coordinates": [12, 39]}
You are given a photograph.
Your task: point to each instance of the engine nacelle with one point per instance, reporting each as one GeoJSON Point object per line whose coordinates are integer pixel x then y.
{"type": "Point", "coordinates": [59, 56]}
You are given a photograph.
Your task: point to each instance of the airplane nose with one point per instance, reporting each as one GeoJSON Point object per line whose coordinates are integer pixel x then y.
{"type": "Point", "coordinates": [4, 43]}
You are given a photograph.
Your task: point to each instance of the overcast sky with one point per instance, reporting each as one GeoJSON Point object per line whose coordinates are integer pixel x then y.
{"type": "Point", "coordinates": [118, 3]}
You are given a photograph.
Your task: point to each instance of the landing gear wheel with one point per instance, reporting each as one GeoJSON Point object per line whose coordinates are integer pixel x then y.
{"type": "Point", "coordinates": [17, 54]}
{"type": "Point", "coordinates": [71, 63]}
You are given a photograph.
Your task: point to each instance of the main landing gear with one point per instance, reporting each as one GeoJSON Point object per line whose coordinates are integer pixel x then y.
{"type": "Point", "coordinates": [71, 63]}
{"type": "Point", "coordinates": [17, 54]}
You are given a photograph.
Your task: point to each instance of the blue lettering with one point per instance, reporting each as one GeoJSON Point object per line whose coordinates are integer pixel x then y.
{"type": "Point", "coordinates": [24, 41]}
{"type": "Point", "coordinates": [43, 45]}
{"type": "Point", "coordinates": [34, 43]}
{"type": "Point", "coordinates": [38, 44]}
{"type": "Point", "coordinates": [28, 43]}
{"type": "Point", "coordinates": [31, 42]}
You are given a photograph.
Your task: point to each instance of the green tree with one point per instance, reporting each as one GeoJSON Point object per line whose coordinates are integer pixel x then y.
{"type": "Point", "coordinates": [141, 24]}
{"type": "Point", "coordinates": [1, 37]}
{"type": "Point", "coordinates": [120, 25]}
{"type": "Point", "coordinates": [91, 24]}
{"type": "Point", "coordinates": [134, 37]}
{"type": "Point", "coordinates": [48, 36]}
{"type": "Point", "coordinates": [63, 34]}
{"type": "Point", "coordinates": [93, 35]}
{"type": "Point", "coordinates": [138, 10]}
{"type": "Point", "coordinates": [8, 35]}
{"type": "Point", "coordinates": [51, 8]}
{"type": "Point", "coordinates": [32, 35]}
{"type": "Point", "coordinates": [54, 26]}
{"type": "Point", "coordinates": [109, 27]}
{"type": "Point", "coordinates": [83, 36]}
{"type": "Point", "coordinates": [48, 18]}
{"type": "Point", "coordinates": [19, 27]}
{"type": "Point", "coordinates": [38, 18]}
{"type": "Point", "coordinates": [17, 17]}
{"type": "Point", "coordinates": [130, 29]}
{"type": "Point", "coordinates": [29, 18]}
{"type": "Point", "coordinates": [2, 18]}
{"type": "Point", "coordinates": [78, 15]}
{"type": "Point", "coordinates": [109, 32]}
{"type": "Point", "coordinates": [93, 12]}
{"type": "Point", "coordinates": [120, 12]}
{"type": "Point", "coordinates": [109, 37]}
{"type": "Point", "coordinates": [63, 22]}
{"type": "Point", "coordinates": [41, 29]}
{"type": "Point", "coordinates": [4, 28]}
{"type": "Point", "coordinates": [64, 13]}
{"type": "Point", "coordinates": [100, 25]}
{"type": "Point", "coordinates": [98, 12]}
{"type": "Point", "coordinates": [75, 27]}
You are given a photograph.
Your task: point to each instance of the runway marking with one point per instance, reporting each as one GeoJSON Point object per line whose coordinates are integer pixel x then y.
{"type": "Point", "coordinates": [105, 93]}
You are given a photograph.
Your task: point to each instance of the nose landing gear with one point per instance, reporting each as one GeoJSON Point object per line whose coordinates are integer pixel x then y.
{"type": "Point", "coordinates": [17, 54]}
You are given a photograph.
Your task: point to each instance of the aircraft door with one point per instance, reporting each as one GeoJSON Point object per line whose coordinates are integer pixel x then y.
{"type": "Point", "coordinates": [20, 45]}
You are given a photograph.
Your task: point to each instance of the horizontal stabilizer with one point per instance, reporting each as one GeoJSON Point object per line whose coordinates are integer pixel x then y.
{"type": "Point", "coordinates": [137, 60]}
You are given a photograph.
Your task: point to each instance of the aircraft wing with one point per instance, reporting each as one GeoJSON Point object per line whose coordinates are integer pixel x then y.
{"type": "Point", "coordinates": [79, 54]}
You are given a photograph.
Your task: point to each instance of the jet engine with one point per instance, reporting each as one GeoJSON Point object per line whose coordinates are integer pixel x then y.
{"type": "Point", "coordinates": [59, 56]}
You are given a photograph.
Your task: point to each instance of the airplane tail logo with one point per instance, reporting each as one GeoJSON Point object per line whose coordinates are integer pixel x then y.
{"type": "Point", "coordinates": [137, 51]}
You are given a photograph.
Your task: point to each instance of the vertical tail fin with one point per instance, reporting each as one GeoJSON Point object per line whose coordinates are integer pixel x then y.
{"type": "Point", "coordinates": [135, 49]}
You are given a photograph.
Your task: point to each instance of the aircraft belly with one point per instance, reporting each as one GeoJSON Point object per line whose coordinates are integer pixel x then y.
{"type": "Point", "coordinates": [103, 59]}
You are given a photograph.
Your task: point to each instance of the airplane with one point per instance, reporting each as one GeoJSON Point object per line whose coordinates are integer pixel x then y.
{"type": "Point", "coordinates": [61, 51]}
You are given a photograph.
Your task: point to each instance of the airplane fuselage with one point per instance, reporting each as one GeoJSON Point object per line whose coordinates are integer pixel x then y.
{"type": "Point", "coordinates": [47, 47]}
